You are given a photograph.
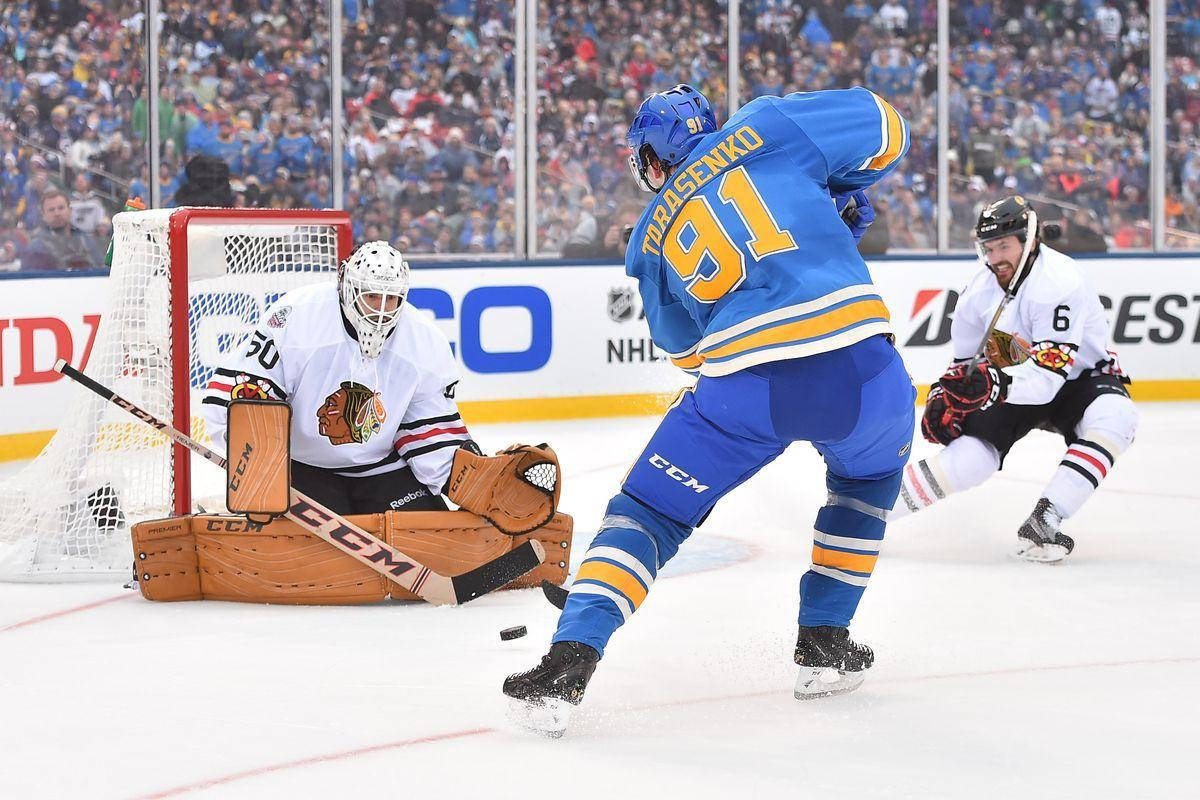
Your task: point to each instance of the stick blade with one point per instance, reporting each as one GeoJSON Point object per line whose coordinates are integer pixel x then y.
{"type": "Point", "coordinates": [498, 572]}
{"type": "Point", "coordinates": [557, 595]}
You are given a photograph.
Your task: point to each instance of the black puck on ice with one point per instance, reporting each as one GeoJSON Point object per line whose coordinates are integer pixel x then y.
{"type": "Point", "coordinates": [513, 633]}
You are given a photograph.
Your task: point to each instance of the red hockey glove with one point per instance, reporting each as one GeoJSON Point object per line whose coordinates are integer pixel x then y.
{"type": "Point", "coordinates": [975, 388]}
{"type": "Point", "coordinates": [940, 424]}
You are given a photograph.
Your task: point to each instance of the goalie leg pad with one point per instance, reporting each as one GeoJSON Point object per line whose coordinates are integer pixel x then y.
{"type": "Point", "coordinates": [232, 558]}
{"type": "Point", "coordinates": [164, 556]}
{"type": "Point", "coordinates": [454, 542]}
{"type": "Point", "coordinates": [259, 458]}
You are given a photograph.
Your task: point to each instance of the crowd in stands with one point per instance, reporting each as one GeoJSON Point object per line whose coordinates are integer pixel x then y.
{"type": "Point", "coordinates": [1048, 99]}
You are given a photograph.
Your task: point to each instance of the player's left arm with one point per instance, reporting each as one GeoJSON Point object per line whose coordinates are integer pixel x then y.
{"type": "Point", "coordinates": [672, 327]}
{"type": "Point", "coordinates": [861, 136]}
{"type": "Point", "coordinates": [432, 428]}
{"type": "Point", "coordinates": [1056, 330]}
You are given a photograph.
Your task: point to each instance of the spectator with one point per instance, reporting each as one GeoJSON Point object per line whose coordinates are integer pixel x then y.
{"type": "Point", "coordinates": [206, 184]}
{"type": "Point", "coordinates": [56, 243]}
{"type": "Point", "coordinates": [87, 212]}
{"type": "Point", "coordinates": [8, 256]}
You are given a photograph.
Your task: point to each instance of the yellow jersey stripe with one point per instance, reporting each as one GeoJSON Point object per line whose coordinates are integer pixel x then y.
{"type": "Point", "coordinates": [787, 312]}
{"type": "Point", "coordinates": [617, 577]}
{"type": "Point", "coordinates": [688, 362]}
{"type": "Point", "coordinates": [856, 562]}
{"type": "Point", "coordinates": [813, 327]}
{"type": "Point", "coordinates": [895, 136]}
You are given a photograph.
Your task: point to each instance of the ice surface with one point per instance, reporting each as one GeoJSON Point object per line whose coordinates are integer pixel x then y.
{"type": "Point", "coordinates": [993, 678]}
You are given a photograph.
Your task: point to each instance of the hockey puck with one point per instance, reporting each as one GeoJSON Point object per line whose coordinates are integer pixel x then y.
{"type": "Point", "coordinates": [513, 633]}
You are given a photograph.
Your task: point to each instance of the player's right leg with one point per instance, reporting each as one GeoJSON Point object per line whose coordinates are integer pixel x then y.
{"type": "Point", "coordinates": [710, 441]}
{"type": "Point", "coordinates": [964, 463]}
{"type": "Point", "coordinates": [968, 460]}
{"type": "Point", "coordinates": [863, 479]}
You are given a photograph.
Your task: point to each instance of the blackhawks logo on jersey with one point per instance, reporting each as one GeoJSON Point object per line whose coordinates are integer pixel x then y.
{"type": "Point", "coordinates": [353, 413]}
{"type": "Point", "coordinates": [1053, 356]}
{"type": "Point", "coordinates": [247, 387]}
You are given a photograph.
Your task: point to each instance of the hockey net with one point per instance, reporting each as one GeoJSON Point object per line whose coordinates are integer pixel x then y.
{"type": "Point", "coordinates": [186, 286]}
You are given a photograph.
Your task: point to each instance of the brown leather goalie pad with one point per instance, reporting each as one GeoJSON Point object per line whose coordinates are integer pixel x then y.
{"type": "Point", "coordinates": [231, 558]}
{"type": "Point", "coordinates": [259, 464]}
{"type": "Point", "coordinates": [517, 489]}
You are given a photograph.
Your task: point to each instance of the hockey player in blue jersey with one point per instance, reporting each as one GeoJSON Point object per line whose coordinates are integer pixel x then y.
{"type": "Point", "coordinates": [747, 265]}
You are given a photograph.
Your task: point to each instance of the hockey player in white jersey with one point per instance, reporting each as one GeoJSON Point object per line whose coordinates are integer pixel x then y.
{"type": "Point", "coordinates": [370, 381]}
{"type": "Point", "coordinates": [1048, 366]}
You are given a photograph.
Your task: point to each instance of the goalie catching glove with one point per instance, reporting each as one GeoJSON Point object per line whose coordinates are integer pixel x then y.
{"type": "Point", "coordinates": [516, 490]}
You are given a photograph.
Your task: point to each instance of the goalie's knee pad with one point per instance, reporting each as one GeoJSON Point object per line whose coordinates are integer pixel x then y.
{"type": "Point", "coordinates": [1110, 421]}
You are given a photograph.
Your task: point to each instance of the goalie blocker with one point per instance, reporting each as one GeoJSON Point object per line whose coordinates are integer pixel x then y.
{"type": "Point", "coordinates": [232, 558]}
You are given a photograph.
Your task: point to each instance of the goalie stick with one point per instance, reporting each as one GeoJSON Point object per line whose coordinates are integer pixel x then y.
{"type": "Point", "coordinates": [315, 518]}
{"type": "Point", "coordinates": [1010, 291]}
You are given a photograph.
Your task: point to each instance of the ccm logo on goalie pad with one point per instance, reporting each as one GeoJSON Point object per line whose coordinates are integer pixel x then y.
{"type": "Point", "coordinates": [676, 473]}
{"type": "Point", "coordinates": [233, 526]}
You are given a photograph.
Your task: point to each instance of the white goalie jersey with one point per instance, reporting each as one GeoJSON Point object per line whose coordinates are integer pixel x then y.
{"type": "Point", "coordinates": [1056, 310]}
{"type": "Point", "coordinates": [354, 416]}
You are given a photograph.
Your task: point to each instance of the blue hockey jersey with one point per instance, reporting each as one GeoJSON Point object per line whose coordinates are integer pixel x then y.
{"type": "Point", "coordinates": [742, 258]}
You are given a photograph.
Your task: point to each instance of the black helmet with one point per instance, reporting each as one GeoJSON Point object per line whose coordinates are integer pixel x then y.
{"type": "Point", "coordinates": [1006, 217]}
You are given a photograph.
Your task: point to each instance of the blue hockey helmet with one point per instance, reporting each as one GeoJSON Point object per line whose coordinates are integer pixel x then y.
{"type": "Point", "coordinates": [666, 127]}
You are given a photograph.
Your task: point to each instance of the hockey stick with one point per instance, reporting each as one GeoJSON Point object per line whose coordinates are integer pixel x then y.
{"type": "Point", "coordinates": [1010, 291]}
{"type": "Point", "coordinates": [557, 595]}
{"type": "Point", "coordinates": [389, 562]}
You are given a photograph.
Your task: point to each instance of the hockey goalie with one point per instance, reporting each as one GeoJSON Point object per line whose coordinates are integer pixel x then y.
{"type": "Point", "coordinates": [346, 393]}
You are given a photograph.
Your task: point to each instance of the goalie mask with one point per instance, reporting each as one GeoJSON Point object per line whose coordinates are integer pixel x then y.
{"type": "Point", "coordinates": [372, 284]}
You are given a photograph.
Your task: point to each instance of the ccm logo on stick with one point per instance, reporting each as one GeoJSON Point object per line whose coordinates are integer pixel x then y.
{"type": "Point", "coordinates": [676, 473]}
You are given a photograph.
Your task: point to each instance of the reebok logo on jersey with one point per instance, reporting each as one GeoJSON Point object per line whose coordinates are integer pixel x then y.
{"type": "Point", "coordinates": [676, 473]}
{"type": "Point", "coordinates": [401, 502]}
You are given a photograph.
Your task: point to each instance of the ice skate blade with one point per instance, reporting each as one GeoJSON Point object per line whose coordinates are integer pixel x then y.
{"type": "Point", "coordinates": [814, 682]}
{"type": "Point", "coordinates": [544, 716]}
{"type": "Point", "coordinates": [1048, 553]}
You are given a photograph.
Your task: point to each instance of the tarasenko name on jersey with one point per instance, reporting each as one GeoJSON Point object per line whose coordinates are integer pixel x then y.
{"type": "Point", "coordinates": [689, 179]}
{"type": "Point", "coordinates": [742, 257]}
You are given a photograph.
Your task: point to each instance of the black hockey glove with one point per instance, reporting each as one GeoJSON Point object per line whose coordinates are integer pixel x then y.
{"type": "Point", "coordinates": [975, 388]}
{"type": "Point", "coordinates": [940, 424]}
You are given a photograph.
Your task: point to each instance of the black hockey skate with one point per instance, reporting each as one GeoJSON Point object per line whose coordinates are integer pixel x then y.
{"type": "Point", "coordinates": [1039, 538]}
{"type": "Point", "coordinates": [830, 662]}
{"type": "Point", "coordinates": [542, 696]}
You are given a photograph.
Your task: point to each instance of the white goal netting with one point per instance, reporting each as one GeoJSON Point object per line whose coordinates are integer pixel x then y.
{"type": "Point", "coordinates": [66, 516]}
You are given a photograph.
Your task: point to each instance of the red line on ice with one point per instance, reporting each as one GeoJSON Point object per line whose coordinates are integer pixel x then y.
{"type": "Point", "coordinates": [304, 762]}
{"type": "Point", "coordinates": [691, 701]}
{"type": "Point", "coordinates": [65, 611]}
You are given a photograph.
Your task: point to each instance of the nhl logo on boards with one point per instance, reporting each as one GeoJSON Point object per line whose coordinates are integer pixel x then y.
{"type": "Point", "coordinates": [621, 303]}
